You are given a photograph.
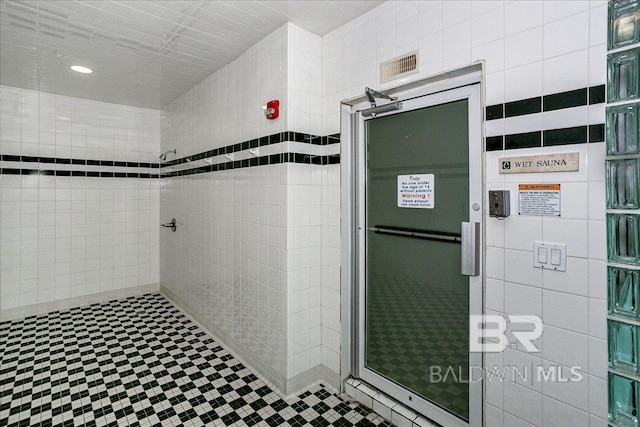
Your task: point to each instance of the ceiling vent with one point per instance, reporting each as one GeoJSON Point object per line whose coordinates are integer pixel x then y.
{"type": "Point", "coordinates": [399, 67]}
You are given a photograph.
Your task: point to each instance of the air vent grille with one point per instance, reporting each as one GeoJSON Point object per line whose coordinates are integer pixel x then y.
{"type": "Point", "coordinates": [399, 67]}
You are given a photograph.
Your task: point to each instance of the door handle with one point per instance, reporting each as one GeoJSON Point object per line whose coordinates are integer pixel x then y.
{"type": "Point", "coordinates": [470, 233]}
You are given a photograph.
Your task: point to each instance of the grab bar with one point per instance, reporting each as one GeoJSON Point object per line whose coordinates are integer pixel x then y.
{"type": "Point", "coordinates": [420, 234]}
{"type": "Point", "coordinates": [172, 225]}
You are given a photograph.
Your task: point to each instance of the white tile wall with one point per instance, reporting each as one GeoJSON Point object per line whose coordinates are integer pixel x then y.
{"type": "Point", "coordinates": [227, 260]}
{"type": "Point", "coordinates": [304, 83]}
{"type": "Point", "coordinates": [306, 250]}
{"type": "Point", "coordinates": [516, 39]}
{"type": "Point", "coordinates": [331, 325]}
{"type": "Point", "coordinates": [226, 107]}
{"type": "Point", "coordinates": [304, 272]}
{"type": "Point", "coordinates": [69, 237]}
{"type": "Point", "coordinates": [248, 259]}
{"type": "Point", "coordinates": [43, 124]}
{"type": "Point", "coordinates": [530, 48]}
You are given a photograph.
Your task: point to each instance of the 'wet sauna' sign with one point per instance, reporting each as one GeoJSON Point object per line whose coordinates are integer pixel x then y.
{"type": "Point", "coordinates": [416, 191]}
{"type": "Point", "coordinates": [562, 162]}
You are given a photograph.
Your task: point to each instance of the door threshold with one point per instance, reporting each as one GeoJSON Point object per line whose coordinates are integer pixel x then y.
{"type": "Point", "coordinates": [384, 405]}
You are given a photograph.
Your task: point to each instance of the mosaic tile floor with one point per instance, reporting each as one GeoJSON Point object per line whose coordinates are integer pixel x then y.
{"type": "Point", "coordinates": [141, 362]}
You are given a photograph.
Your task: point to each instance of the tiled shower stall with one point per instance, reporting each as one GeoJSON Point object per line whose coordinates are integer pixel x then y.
{"type": "Point", "coordinates": [71, 235]}
{"type": "Point", "coordinates": [255, 258]}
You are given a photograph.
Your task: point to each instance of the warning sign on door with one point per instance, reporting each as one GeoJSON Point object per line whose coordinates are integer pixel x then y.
{"type": "Point", "coordinates": [416, 191]}
{"type": "Point", "coordinates": [539, 199]}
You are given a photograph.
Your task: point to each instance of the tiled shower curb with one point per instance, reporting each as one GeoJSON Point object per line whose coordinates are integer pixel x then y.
{"type": "Point", "coordinates": [383, 405]}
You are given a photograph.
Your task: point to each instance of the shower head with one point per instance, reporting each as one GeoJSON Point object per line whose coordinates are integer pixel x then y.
{"type": "Point", "coordinates": [163, 156]}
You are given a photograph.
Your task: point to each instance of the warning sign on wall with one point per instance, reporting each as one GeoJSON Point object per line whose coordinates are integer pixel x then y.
{"type": "Point", "coordinates": [539, 199]}
{"type": "Point", "coordinates": [416, 191]}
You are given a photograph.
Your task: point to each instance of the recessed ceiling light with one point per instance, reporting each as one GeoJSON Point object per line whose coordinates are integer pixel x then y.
{"type": "Point", "coordinates": [81, 69]}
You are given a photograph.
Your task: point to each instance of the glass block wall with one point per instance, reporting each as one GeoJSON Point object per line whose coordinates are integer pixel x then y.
{"type": "Point", "coordinates": [623, 210]}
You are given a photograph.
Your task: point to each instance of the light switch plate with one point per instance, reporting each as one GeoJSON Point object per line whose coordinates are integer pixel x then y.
{"type": "Point", "coordinates": [545, 255]}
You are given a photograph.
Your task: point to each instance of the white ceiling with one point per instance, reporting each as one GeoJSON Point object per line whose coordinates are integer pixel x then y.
{"type": "Point", "coordinates": [144, 53]}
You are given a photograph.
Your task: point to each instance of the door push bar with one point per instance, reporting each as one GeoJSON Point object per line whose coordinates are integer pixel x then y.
{"type": "Point", "coordinates": [172, 225]}
{"type": "Point", "coordinates": [420, 234]}
{"type": "Point", "coordinates": [470, 265]}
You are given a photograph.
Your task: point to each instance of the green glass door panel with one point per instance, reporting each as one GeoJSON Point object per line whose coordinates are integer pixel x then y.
{"type": "Point", "coordinates": [417, 302]}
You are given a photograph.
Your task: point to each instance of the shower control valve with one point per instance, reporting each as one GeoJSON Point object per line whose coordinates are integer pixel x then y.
{"type": "Point", "coordinates": [172, 225]}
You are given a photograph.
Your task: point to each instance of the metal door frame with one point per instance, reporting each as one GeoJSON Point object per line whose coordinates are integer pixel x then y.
{"type": "Point", "coordinates": [465, 84]}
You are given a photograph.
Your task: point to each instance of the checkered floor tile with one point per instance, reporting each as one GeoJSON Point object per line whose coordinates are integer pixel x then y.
{"type": "Point", "coordinates": [141, 362]}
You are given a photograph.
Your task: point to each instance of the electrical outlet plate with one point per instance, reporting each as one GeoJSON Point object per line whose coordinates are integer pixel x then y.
{"type": "Point", "coordinates": [550, 256]}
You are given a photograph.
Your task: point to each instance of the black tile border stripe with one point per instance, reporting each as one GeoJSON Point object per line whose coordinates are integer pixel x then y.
{"type": "Point", "coordinates": [494, 143]}
{"type": "Point", "coordinates": [86, 162]}
{"type": "Point", "coordinates": [276, 138]}
{"type": "Point", "coordinates": [559, 101]}
{"type": "Point", "coordinates": [287, 157]}
{"type": "Point", "coordinates": [547, 138]}
{"type": "Point", "coordinates": [565, 136]}
{"type": "Point", "coordinates": [523, 140]}
{"type": "Point", "coordinates": [523, 107]}
{"type": "Point", "coordinates": [556, 101]}
{"type": "Point", "coordinates": [495, 112]}
{"type": "Point", "coordinates": [553, 137]}
{"type": "Point", "coordinates": [95, 174]}
{"type": "Point", "coordinates": [596, 133]}
{"type": "Point", "coordinates": [596, 95]}
{"type": "Point", "coordinates": [273, 159]}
